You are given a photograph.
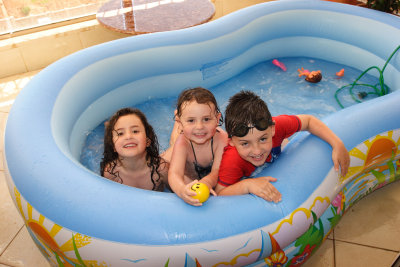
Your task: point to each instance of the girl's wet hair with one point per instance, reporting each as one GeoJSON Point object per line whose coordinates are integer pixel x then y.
{"type": "Point", "coordinates": [245, 109]}
{"type": "Point", "coordinates": [110, 156]}
{"type": "Point", "coordinates": [201, 96]}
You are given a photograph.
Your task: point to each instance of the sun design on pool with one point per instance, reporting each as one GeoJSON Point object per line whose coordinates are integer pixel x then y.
{"type": "Point", "coordinates": [370, 154]}
{"type": "Point", "coordinates": [47, 235]}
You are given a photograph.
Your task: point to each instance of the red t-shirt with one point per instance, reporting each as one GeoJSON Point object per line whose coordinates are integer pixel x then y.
{"type": "Point", "coordinates": [233, 167]}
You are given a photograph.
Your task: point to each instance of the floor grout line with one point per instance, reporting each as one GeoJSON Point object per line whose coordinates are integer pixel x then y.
{"type": "Point", "coordinates": [9, 243]}
{"type": "Point", "coordinates": [334, 247]}
{"type": "Point", "coordinates": [368, 246]}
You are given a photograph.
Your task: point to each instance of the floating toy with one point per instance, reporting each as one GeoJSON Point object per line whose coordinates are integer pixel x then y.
{"type": "Point", "coordinates": [303, 72]}
{"type": "Point", "coordinates": [340, 73]}
{"type": "Point", "coordinates": [202, 192]}
{"type": "Point", "coordinates": [312, 77]}
{"type": "Point", "coordinates": [78, 218]}
{"type": "Point", "coordinates": [279, 64]}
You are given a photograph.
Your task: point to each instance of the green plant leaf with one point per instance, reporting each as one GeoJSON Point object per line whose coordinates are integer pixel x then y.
{"type": "Point", "coordinates": [60, 263]}
{"type": "Point", "coordinates": [78, 256]}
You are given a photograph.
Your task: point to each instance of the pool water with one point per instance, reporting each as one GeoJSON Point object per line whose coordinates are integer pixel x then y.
{"type": "Point", "coordinates": [284, 93]}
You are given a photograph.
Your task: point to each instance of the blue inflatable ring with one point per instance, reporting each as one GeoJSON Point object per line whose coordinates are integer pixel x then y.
{"type": "Point", "coordinates": [77, 217]}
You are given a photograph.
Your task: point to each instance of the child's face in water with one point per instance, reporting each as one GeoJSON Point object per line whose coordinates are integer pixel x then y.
{"type": "Point", "coordinates": [199, 121]}
{"type": "Point", "coordinates": [129, 136]}
{"type": "Point", "coordinates": [255, 146]}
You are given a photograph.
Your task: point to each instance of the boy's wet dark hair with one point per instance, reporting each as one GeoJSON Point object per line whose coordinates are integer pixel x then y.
{"type": "Point", "coordinates": [246, 110]}
{"type": "Point", "coordinates": [110, 156]}
{"type": "Point", "coordinates": [198, 94]}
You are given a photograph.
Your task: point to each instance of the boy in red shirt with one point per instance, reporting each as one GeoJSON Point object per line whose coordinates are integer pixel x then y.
{"type": "Point", "coordinates": [255, 138]}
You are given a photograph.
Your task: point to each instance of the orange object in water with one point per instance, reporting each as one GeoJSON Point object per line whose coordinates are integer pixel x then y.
{"type": "Point", "coordinates": [303, 72]}
{"type": "Point", "coordinates": [340, 73]}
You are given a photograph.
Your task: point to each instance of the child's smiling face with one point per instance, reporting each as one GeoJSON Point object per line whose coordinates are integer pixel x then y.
{"type": "Point", "coordinates": [199, 121]}
{"type": "Point", "coordinates": [255, 146]}
{"type": "Point", "coordinates": [129, 136]}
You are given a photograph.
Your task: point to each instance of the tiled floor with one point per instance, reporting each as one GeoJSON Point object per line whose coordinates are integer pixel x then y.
{"type": "Point", "coordinates": [367, 235]}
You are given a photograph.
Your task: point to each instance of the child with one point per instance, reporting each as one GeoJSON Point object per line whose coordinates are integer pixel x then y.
{"type": "Point", "coordinates": [256, 138]}
{"type": "Point", "coordinates": [197, 150]}
{"type": "Point", "coordinates": [131, 152]}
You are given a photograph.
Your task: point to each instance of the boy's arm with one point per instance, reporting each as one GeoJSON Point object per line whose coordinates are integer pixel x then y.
{"type": "Point", "coordinates": [232, 170]}
{"type": "Point", "coordinates": [177, 171]}
{"type": "Point", "coordinates": [340, 155]}
{"type": "Point", "coordinates": [260, 186]}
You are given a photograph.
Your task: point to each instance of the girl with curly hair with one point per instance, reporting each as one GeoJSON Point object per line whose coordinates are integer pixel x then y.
{"type": "Point", "coordinates": [131, 153]}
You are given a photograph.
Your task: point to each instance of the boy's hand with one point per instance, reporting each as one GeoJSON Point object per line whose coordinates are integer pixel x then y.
{"type": "Point", "coordinates": [263, 188]}
{"type": "Point", "coordinates": [186, 194]}
{"type": "Point", "coordinates": [341, 157]}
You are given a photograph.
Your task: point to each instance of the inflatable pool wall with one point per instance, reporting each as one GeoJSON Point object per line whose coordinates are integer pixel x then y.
{"type": "Point", "coordinates": [77, 218]}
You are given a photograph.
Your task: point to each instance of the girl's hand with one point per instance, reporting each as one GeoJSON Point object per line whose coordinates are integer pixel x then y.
{"type": "Point", "coordinates": [186, 194]}
{"type": "Point", "coordinates": [212, 192]}
{"type": "Point", "coordinates": [263, 188]}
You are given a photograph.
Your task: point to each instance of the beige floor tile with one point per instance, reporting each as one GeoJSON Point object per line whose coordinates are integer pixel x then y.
{"type": "Point", "coordinates": [3, 119]}
{"type": "Point", "coordinates": [11, 222]}
{"type": "Point", "coordinates": [8, 92]}
{"type": "Point", "coordinates": [218, 4]}
{"type": "Point", "coordinates": [373, 221]}
{"type": "Point", "coordinates": [10, 88]}
{"type": "Point", "coordinates": [44, 51]}
{"type": "Point", "coordinates": [2, 163]}
{"type": "Point", "coordinates": [332, 234]}
{"type": "Point", "coordinates": [18, 78]}
{"type": "Point", "coordinates": [23, 252]}
{"type": "Point", "coordinates": [324, 256]}
{"type": "Point", "coordinates": [230, 6]}
{"type": "Point", "coordinates": [99, 34]}
{"type": "Point", "coordinates": [12, 62]}
{"type": "Point", "coordinates": [360, 256]}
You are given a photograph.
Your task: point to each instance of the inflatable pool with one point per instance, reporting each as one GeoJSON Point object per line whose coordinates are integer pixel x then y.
{"type": "Point", "coordinates": [77, 218]}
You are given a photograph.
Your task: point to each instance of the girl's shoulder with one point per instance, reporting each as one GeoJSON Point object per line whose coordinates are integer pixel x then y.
{"type": "Point", "coordinates": [220, 137]}
{"type": "Point", "coordinates": [163, 166]}
{"type": "Point", "coordinates": [163, 170]}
